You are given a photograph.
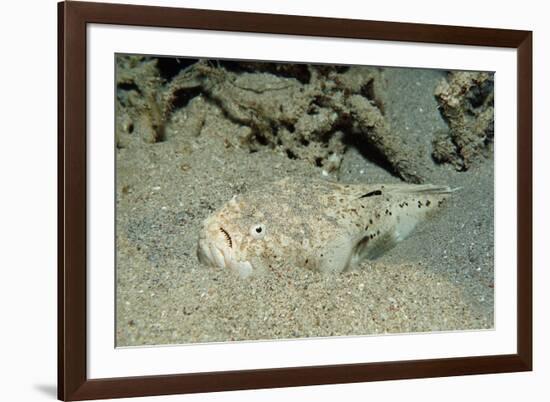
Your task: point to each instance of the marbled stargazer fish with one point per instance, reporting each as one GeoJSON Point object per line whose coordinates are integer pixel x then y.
{"type": "Point", "coordinates": [315, 224]}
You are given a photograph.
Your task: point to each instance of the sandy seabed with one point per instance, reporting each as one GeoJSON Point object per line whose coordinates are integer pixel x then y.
{"type": "Point", "coordinates": [440, 279]}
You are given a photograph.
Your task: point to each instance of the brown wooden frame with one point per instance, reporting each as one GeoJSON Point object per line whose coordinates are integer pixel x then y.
{"type": "Point", "coordinates": [73, 383]}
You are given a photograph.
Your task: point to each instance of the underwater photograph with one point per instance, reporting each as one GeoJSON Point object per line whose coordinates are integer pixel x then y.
{"type": "Point", "coordinates": [275, 200]}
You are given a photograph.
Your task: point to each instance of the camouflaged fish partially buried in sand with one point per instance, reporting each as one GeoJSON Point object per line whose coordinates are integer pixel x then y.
{"type": "Point", "coordinates": [316, 224]}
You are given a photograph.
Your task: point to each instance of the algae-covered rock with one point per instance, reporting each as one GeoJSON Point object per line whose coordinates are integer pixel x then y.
{"type": "Point", "coordinates": [140, 114]}
{"type": "Point", "coordinates": [304, 120]}
{"type": "Point", "coordinates": [303, 111]}
{"type": "Point", "coordinates": [466, 102]}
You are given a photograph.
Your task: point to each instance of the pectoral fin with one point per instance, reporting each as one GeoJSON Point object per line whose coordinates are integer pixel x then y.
{"type": "Point", "coordinates": [381, 244]}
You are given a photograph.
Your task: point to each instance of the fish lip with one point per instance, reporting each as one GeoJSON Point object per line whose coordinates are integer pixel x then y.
{"type": "Point", "coordinates": [218, 254]}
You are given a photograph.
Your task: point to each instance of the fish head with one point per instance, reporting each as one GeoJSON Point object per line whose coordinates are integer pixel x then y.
{"type": "Point", "coordinates": [231, 237]}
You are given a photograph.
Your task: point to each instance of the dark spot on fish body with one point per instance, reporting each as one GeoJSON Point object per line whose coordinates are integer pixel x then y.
{"type": "Point", "coordinates": [371, 193]}
{"type": "Point", "coordinates": [290, 154]}
{"type": "Point", "coordinates": [370, 221]}
{"type": "Point", "coordinates": [428, 203]}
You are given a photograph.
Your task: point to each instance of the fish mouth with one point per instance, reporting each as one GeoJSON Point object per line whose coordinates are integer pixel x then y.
{"type": "Point", "coordinates": [216, 248]}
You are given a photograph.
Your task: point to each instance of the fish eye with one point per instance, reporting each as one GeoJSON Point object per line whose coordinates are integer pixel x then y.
{"type": "Point", "coordinates": [257, 231]}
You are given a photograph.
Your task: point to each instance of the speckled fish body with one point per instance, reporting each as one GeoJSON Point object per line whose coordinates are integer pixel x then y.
{"type": "Point", "coordinates": [317, 224]}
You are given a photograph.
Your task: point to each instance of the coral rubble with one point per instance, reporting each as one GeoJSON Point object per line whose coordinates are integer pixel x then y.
{"type": "Point", "coordinates": [304, 120]}
{"type": "Point", "coordinates": [306, 112]}
{"type": "Point", "coordinates": [466, 102]}
{"type": "Point", "coordinates": [139, 101]}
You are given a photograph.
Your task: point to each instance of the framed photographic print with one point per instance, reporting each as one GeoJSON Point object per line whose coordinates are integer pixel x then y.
{"type": "Point", "coordinates": [253, 200]}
